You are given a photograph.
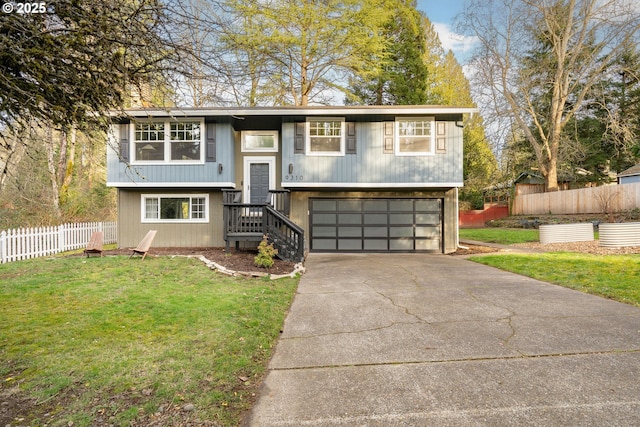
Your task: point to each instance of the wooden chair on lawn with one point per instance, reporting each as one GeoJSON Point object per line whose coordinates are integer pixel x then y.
{"type": "Point", "coordinates": [144, 245]}
{"type": "Point", "coordinates": [95, 244]}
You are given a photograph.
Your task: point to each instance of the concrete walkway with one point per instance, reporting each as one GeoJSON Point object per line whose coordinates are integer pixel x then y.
{"type": "Point", "coordinates": [435, 340]}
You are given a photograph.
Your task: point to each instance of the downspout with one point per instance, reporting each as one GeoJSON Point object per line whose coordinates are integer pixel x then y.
{"type": "Point", "coordinates": [458, 245]}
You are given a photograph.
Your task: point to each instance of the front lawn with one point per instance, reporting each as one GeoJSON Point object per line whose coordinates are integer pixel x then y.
{"type": "Point", "coordinates": [503, 236]}
{"type": "Point", "coordinates": [111, 340]}
{"type": "Point", "coordinates": [611, 276]}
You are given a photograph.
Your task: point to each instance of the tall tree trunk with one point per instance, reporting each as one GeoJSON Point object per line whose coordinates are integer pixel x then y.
{"type": "Point", "coordinates": [11, 151]}
{"type": "Point", "coordinates": [51, 167]}
{"type": "Point", "coordinates": [67, 171]}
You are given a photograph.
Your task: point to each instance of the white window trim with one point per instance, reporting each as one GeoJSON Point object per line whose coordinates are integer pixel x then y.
{"type": "Point", "coordinates": [273, 133]}
{"type": "Point", "coordinates": [308, 151]}
{"type": "Point", "coordinates": [396, 137]}
{"type": "Point", "coordinates": [167, 142]}
{"type": "Point", "coordinates": [143, 198]}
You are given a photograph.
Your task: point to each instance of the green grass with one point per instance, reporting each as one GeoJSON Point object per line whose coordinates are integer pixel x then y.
{"type": "Point", "coordinates": [612, 276]}
{"type": "Point", "coordinates": [503, 236]}
{"type": "Point", "coordinates": [113, 339]}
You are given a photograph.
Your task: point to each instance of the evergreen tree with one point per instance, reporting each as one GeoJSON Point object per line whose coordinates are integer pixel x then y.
{"type": "Point", "coordinates": [400, 77]}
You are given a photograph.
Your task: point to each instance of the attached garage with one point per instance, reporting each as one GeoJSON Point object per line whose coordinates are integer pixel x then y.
{"type": "Point", "coordinates": [376, 225]}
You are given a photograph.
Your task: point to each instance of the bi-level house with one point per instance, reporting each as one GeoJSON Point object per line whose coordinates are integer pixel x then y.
{"type": "Point", "coordinates": [319, 179]}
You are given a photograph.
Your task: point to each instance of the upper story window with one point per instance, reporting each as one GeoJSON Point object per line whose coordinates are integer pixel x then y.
{"type": "Point", "coordinates": [260, 141]}
{"type": "Point", "coordinates": [175, 208]}
{"type": "Point", "coordinates": [415, 136]}
{"type": "Point", "coordinates": [168, 141]}
{"type": "Point", "coordinates": [149, 141]}
{"type": "Point", "coordinates": [325, 136]}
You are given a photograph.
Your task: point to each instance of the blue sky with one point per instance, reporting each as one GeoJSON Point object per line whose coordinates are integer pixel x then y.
{"type": "Point", "coordinates": [441, 13]}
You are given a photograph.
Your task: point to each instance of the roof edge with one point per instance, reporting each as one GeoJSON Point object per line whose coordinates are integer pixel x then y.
{"type": "Point", "coordinates": [293, 111]}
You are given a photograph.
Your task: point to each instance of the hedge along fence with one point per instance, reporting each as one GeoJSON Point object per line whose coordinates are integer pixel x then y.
{"type": "Point", "coordinates": [25, 243]}
{"type": "Point", "coordinates": [603, 200]}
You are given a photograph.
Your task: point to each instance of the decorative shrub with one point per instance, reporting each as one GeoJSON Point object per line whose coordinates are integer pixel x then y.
{"type": "Point", "coordinates": [266, 252]}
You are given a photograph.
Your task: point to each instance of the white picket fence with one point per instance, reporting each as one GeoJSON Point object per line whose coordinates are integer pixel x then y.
{"type": "Point", "coordinates": [25, 243]}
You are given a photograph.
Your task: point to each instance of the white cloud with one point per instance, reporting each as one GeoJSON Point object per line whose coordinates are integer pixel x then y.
{"type": "Point", "coordinates": [460, 44]}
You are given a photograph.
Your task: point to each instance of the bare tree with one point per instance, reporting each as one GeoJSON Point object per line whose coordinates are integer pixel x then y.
{"type": "Point", "coordinates": [578, 39]}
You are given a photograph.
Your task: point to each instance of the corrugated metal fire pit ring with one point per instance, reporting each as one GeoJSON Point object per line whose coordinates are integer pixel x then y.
{"type": "Point", "coordinates": [617, 235]}
{"type": "Point", "coordinates": [563, 233]}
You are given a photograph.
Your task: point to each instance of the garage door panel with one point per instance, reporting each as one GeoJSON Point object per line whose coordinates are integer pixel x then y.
{"type": "Point", "coordinates": [349, 245]}
{"type": "Point", "coordinates": [376, 232]}
{"type": "Point", "coordinates": [401, 218]}
{"type": "Point", "coordinates": [318, 231]}
{"type": "Point", "coordinates": [349, 219]}
{"type": "Point", "coordinates": [374, 205]}
{"type": "Point", "coordinates": [376, 225]}
{"type": "Point", "coordinates": [324, 218]}
{"type": "Point", "coordinates": [324, 244]}
{"type": "Point", "coordinates": [401, 232]}
{"type": "Point", "coordinates": [428, 245]}
{"type": "Point", "coordinates": [375, 219]}
{"type": "Point", "coordinates": [350, 231]}
{"type": "Point", "coordinates": [428, 205]}
{"type": "Point", "coordinates": [324, 205]}
{"type": "Point", "coordinates": [401, 205]}
{"type": "Point", "coordinates": [349, 205]}
{"type": "Point", "coordinates": [430, 232]}
{"type": "Point", "coordinates": [376, 245]}
{"type": "Point", "coordinates": [427, 218]}
{"type": "Point", "coordinates": [401, 244]}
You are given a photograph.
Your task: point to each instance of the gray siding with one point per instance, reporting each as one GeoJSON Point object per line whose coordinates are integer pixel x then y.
{"type": "Point", "coordinates": [123, 174]}
{"type": "Point", "coordinates": [629, 179]}
{"type": "Point", "coordinates": [131, 230]}
{"type": "Point", "coordinates": [370, 164]}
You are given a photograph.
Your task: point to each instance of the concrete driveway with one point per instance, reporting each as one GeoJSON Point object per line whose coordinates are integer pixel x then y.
{"type": "Point", "coordinates": [436, 340]}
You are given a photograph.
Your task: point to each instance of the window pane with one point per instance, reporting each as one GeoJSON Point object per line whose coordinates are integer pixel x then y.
{"type": "Point", "coordinates": [415, 144]}
{"type": "Point", "coordinates": [174, 208]}
{"type": "Point", "coordinates": [185, 141]}
{"type": "Point", "coordinates": [322, 144]}
{"type": "Point", "coordinates": [414, 136]}
{"type": "Point", "coordinates": [151, 208]}
{"type": "Point", "coordinates": [185, 150]}
{"type": "Point", "coordinates": [149, 141]}
{"type": "Point", "coordinates": [149, 151]}
{"type": "Point", "coordinates": [259, 142]}
{"type": "Point", "coordinates": [198, 208]}
{"type": "Point", "coordinates": [325, 136]}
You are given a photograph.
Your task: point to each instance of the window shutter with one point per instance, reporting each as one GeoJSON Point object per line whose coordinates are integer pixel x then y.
{"type": "Point", "coordinates": [298, 143]}
{"type": "Point", "coordinates": [124, 142]}
{"type": "Point", "coordinates": [388, 137]}
{"type": "Point", "coordinates": [351, 138]}
{"type": "Point", "coordinates": [211, 142]}
{"type": "Point", "coordinates": [441, 137]}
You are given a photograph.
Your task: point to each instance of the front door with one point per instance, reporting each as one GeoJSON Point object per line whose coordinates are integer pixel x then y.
{"type": "Point", "coordinates": [259, 178]}
{"type": "Point", "coordinates": [258, 182]}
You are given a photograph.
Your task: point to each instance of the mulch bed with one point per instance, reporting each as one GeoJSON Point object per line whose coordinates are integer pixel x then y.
{"type": "Point", "coordinates": [241, 260]}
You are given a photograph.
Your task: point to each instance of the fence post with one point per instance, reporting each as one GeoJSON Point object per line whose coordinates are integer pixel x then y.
{"type": "Point", "coordinates": [3, 247]}
{"type": "Point", "coordinates": [61, 238]}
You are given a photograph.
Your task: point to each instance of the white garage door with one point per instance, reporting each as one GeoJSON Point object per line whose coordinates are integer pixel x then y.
{"type": "Point", "coordinates": [375, 225]}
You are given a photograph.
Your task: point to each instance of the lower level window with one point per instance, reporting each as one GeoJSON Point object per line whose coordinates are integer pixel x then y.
{"type": "Point", "coordinates": [168, 208]}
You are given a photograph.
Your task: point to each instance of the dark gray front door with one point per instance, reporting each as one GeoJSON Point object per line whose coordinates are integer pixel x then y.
{"type": "Point", "coordinates": [258, 182]}
{"type": "Point", "coordinates": [376, 225]}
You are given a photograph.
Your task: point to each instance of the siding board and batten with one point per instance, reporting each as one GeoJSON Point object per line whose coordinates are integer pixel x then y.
{"type": "Point", "coordinates": [179, 234]}
{"type": "Point", "coordinates": [219, 137]}
{"type": "Point", "coordinates": [369, 165]}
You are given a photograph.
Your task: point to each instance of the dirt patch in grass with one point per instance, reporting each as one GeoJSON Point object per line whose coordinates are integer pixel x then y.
{"type": "Point", "coordinates": [240, 260]}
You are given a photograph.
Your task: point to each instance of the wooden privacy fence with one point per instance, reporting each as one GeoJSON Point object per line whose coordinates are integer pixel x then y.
{"type": "Point", "coordinates": [24, 243]}
{"type": "Point", "coordinates": [604, 199]}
